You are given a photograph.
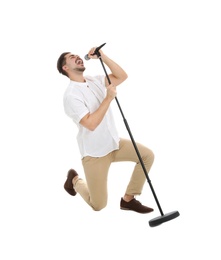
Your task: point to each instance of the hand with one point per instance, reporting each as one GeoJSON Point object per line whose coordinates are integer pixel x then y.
{"type": "Point", "coordinates": [111, 92]}
{"type": "Point", "coordinates": [91, 54]}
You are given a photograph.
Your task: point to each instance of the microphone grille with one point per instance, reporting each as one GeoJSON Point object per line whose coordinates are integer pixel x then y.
{"type": "Point", "coordinates": [86, 57]}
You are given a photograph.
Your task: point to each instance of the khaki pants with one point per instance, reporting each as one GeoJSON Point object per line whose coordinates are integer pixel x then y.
{"type": "Point", "coordinates": [94, 190]}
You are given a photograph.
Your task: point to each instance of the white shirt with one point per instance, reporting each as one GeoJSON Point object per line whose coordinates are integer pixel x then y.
{"type": "Point", "coordinates": [81, 98]}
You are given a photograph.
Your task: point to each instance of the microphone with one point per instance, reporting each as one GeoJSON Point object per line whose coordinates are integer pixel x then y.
{"type": "Point", "coordinates": [95, 52]}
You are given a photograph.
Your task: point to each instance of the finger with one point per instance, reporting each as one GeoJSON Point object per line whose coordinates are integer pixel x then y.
{"type": "Point", "coordinates": [92, 50]}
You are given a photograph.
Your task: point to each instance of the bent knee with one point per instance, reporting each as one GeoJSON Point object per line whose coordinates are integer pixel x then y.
{"type": "Point", "coordinates": [151, 155]}
{"type": "Point", "coordinates": [99, 206]}
{"type": "Point", "coordinates": [148, 158]}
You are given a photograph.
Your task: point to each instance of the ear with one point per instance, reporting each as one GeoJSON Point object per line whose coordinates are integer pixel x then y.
{"type": "Point", "coordinates": [64, 67]}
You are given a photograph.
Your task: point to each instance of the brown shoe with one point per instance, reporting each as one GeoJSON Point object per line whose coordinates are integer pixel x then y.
{"type": "Point", "coordinates": [68, 185]}
{"type": "Point", "coordinates": [134, 205]}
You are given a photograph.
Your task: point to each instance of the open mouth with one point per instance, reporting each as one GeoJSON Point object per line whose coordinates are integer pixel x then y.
{"type": "Point", "coordinates": [79, 61]}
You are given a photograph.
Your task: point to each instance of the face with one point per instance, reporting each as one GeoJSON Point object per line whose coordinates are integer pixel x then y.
{"type": "Point", "coordinates": [73, 63]}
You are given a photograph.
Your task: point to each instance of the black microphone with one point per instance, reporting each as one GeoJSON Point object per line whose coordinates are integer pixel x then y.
{"type": "Point", "coordinates": [95, 52]}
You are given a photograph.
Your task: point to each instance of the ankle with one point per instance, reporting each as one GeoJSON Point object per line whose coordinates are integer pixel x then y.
{"type": "Point", "coordinates": [127, 197]}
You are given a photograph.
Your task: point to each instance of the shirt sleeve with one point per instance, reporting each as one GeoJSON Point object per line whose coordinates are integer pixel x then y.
{"type": "Point", "coordinates": [75, 108]}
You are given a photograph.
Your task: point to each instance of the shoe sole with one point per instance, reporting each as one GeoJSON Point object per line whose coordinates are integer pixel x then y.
{"type": "Point", "coordinates": [135, 210]}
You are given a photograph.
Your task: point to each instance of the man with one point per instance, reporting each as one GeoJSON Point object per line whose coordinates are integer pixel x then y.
{"type": "Point", "coordinates": [87, 102]}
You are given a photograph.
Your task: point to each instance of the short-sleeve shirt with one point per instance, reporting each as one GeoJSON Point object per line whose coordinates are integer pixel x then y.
{"type": "Point", "coordinates": [81, 98]}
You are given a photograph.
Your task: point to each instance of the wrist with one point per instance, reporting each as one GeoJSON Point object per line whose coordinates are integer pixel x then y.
{"type": "Point", "coordinates": [108, 99]}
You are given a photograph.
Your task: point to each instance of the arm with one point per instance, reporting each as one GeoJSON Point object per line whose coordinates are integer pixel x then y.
{"type": "Point", "coordinates": [91, 121]}
{"type": "Point", "coordinates": [117, 75]}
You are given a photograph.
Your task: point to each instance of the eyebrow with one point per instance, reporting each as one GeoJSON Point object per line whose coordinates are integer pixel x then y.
{"type": "Point", "coordinates": [72, 55]}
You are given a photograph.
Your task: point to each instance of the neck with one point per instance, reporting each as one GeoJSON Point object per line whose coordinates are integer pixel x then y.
{"type": "Point", "coordinates": [78, 78]}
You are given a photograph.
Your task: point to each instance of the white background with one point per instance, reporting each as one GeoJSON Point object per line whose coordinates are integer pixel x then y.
{"type": "Point", "coordinates": [171, 100]}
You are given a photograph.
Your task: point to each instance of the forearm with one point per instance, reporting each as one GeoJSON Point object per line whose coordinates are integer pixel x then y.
{"type": "Point", "coordinates": [91, 121]}
{"type": "Point", "coordinates": [118, 75]}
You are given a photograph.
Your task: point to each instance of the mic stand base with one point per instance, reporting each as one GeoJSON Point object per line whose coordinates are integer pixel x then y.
{"type": "Point", "coordinates": [164, 218]}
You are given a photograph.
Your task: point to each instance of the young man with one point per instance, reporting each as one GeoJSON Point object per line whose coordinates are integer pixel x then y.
{"type": "Point", "coordinates": [87, 102]}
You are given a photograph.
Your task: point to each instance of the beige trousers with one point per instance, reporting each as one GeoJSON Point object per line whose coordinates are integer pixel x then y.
{"type": "Point", "coordinates": [94, 189]}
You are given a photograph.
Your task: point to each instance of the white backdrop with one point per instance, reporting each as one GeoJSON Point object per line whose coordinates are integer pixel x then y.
{"type": "Point", "coordinates": [171, 100]}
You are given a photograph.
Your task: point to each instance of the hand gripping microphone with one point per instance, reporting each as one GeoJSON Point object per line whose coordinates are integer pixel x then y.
{"type": "Point", "coordinates": [96, 52]}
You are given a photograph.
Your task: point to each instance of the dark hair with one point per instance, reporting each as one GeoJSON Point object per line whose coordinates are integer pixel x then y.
{"type": "Point", "coordinates": [61, 62]}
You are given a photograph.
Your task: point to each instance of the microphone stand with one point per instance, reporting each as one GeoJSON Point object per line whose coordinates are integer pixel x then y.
{"type": "Point", "coordinates": [164, 217]}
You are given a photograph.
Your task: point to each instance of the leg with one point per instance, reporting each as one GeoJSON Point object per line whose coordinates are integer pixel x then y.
{"type": "Point", "coordinates": [127, 152]}
{"type": "Point", "coordinates": [94, 190]}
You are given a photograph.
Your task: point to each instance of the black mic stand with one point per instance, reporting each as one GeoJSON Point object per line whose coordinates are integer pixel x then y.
{"type": "Point", "coordinates": [164, 217]}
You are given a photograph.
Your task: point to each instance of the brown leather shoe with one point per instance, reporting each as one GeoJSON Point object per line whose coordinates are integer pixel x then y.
{"type": "Point", "coordinates": [134, 205]}
{"type": "Point", "coordinates": [68, 185]}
